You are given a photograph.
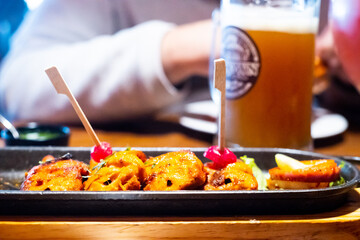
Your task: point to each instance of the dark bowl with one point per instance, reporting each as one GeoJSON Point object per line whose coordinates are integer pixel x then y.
{"type": "Point", "coordinates": [35, 134]}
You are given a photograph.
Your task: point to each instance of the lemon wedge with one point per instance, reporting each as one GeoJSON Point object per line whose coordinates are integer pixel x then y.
{"type": "Point", "coordinates": [288, 163]}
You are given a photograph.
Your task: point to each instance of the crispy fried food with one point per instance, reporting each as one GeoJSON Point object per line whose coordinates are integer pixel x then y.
{"type": "Point", "coordinates": [318, 174]}
{"type": "Point", "coordinates": [139, 154]}
{"type": "Point", "coordinates": [56, 175]}
{"type": "Point", "coordinates": [235, 176]}
{"type": "Point", "coordinates": [180, 170]}
{"type": "Point", "coordinates": [281, 184]}
{"type": "Point", "coordinates": [323, 170]}
{"type": "Point", "coordinates": [123, 170]}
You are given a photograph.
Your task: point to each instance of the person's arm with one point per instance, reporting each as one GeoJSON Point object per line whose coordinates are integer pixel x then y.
{"type": "Point", "coordinates": [326, 51]}
{"type": "Point", "coordinates": [113, 77]}
{"type": "Point", "coordinates": [186, 49]}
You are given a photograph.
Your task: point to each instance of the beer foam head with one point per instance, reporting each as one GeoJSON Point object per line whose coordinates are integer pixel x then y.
{"type": "Point", "coordinates": [269, 19]}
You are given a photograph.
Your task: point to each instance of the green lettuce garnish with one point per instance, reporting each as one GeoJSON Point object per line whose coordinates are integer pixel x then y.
{"type": "Point", "coordinates": [338, 182]}
{"type": "Point", "coordinates": [341, 180]}
{"type": "Point", "coordinates": [342, 164]}
{"type": "Point", "coordinates": [258, 174]}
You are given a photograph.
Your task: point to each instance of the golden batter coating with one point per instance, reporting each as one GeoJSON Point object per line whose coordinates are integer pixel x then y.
{"type": "Point", "coordinates": [180, 170]}
{"type": "Point", "coordinates": [56, 175]}
{"type": "Point", "coordinates": [235, 176]}
{"type": "Point", "coordinates": [121, 171]}
{"type": "Point", "coordinates": [317, 174]}
{"type": "Point", "coordinates": [322, 170]}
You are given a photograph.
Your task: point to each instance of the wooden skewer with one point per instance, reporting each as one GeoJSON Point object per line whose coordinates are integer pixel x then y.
{"type": "Point", "coordinates": [220, 84]}
{"type": "Point", "coordinates": [62, 88]}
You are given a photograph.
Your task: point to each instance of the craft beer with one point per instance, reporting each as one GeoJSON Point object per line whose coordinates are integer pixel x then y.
{"type": "Point", "coordinates": [270, 59]}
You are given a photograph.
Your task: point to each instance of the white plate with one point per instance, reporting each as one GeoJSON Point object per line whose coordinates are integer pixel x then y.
{"type": "Point", "coordinates": [327, 125]}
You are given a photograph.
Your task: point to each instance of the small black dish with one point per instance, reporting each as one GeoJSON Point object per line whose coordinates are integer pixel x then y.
{"type": "Point", "coordinates": [35, 134]}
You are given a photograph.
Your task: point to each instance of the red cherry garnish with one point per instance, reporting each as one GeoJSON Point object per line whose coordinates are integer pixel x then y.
{"type": "Point", "coordinates": [220, 158]}
{"type": "Point", "coordinates": [101, 152]}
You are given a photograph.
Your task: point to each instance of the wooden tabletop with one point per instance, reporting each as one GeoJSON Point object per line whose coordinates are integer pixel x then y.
{"type": "Point", "coordinates": [342, 223]}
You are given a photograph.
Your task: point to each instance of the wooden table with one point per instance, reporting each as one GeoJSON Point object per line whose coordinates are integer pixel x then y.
{"type": "Point", "coordinates": [342, 223]}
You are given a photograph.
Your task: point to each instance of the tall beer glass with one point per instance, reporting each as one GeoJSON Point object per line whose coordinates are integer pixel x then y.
{"type": "Point", "coordinates": [268, 46]}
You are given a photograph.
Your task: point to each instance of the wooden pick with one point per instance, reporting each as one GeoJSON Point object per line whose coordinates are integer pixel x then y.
{"type": "Point", "coordinates": [62, 88]}
{"type": "Point", "coordinates": [220, 84]}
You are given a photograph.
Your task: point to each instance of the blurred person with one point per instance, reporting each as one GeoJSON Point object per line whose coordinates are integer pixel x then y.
{"type": "Point", "coordinates": [326, 48]}
{"type": "Point", "coordinates": [340, 95]}
{"type": "Point", "coordinates": [11, 15]}
{"type": "Point", "coordinates": [326, 51]}
{"type": "Point", "coordinates": [121, 58]}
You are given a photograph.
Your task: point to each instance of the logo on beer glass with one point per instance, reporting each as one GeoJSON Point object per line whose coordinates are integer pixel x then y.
{"type": "Point", "coordinates": [242, 62]}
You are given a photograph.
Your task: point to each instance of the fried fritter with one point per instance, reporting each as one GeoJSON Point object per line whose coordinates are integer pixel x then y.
{"type": "Point", "coordinates": [235, 176]}
{"type": "Point", "coordinates": [56, 175]}
{"type": "Point", "coordinates": [281, 184]}
{"type": "Point", "coordinates": [324, 170]}
{"type": "Point", "coordinates": [123, 170]}
{"type": "Point", "coordinates": [318, 174]}
{"type": "Point", "coordinates": [180, 170]}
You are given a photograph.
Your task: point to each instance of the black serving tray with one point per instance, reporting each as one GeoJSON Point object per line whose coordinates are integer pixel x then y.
{"type": "Point", "coordinates": [15, 161]}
